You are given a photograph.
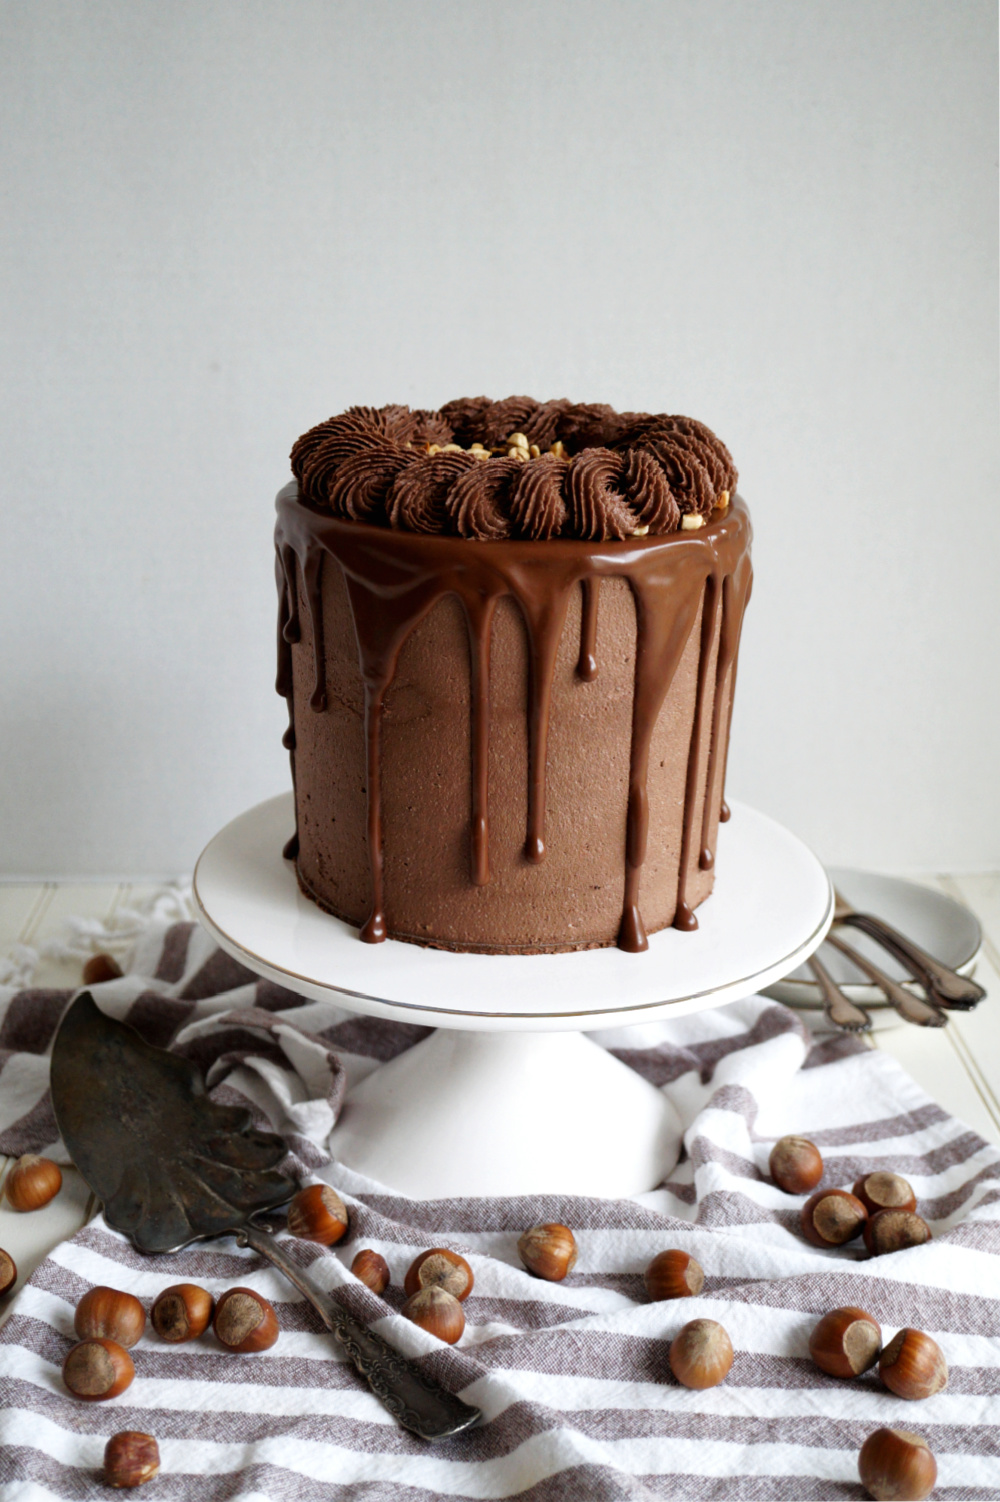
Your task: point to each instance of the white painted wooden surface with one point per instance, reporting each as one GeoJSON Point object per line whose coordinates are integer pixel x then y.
{"type": "Point", "coordinates": [959, 1066]}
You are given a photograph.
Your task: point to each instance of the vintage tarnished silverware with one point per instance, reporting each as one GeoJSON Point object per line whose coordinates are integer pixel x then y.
{"type": "Point", "coordinates": [912, 1008]}
{"type": "Point", "coordinates": [170, 1166]}
{"type": "Point", "coordinates": [838, 1009]}
{"type": "Point", "coordinates": [943, 986]}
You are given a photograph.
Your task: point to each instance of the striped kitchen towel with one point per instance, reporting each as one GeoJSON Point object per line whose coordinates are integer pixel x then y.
{"type": "Point", "coordinates": [572, 1377]}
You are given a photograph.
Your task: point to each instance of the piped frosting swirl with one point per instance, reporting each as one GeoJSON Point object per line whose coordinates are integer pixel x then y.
{"type": "Point", "coordinates": [479, 469]}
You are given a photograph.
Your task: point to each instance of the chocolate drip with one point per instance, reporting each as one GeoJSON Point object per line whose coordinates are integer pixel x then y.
{"type": "Point", "coordinates": [394, 579]}
{"type": "Point", "coordinates": [586, 666]}
{"type": "Point", "coordinates": [312, 571]}
{"type": "Point", "coordinates": [728, 640]}
{"type": "Point", "coordinates": [725, 812]}
{"type": "Point", "coordinates": [479, 617]}
{"type": "Point", "coordinates": [545, 614]}
{"type": "Point", "coordinates": [666, 606]}
{"type": "Point", "coordinates": [288, 632]}
{"type": "Point", "coordinates": [684, 915]}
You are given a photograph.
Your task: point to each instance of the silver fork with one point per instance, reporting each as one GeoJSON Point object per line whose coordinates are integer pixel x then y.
{"type": "Point", "coordinates": [838, 1009]}
{"type": "Point", "coordinates": [913, 1008]}
{"type": "Point", "coordinates": [945, 987]}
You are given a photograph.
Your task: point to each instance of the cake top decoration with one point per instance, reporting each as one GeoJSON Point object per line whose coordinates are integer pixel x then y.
{"type": "Point", "coordinates": [515, 468]}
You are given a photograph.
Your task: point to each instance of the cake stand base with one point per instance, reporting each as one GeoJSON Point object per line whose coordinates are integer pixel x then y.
{"type": "Point", "coordinates": [509, 1096]}
{"type": "Point", "coordinates": [508, 1113]}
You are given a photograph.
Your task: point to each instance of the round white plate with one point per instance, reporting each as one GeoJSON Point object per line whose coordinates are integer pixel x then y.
{"type": "Point", "coordinates": [771, 906]}
{"type": "Point", "coordinates": [941, 926]}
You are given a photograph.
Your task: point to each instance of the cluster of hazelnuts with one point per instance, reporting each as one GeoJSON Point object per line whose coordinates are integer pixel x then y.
{"type": "Point", "coordinates": [881, 1207]}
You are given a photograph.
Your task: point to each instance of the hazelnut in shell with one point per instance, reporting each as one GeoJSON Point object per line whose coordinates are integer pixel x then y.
{"type": "Point", "coordinates": [884, 1191]}
{"type": "Point", "coordinates": [32, 1182]}
{"type": "Point", "coordinates": [896, 1466]}
{"type": "Point", "coordinates": [440, 1268]}
{"type": "Point", "coordinates": [372, 1269]}
{"type": "Point", "coordinates": [894, 1231]}
{"type": "Point", "coordinates": [182, 1312]}
{"type": "Point", "coordinates": [548, 1251]}
{"type": "Point", "coordinates": [913, 1365]}
{"type": "Point", "coordinates": [8, 1273]}
{"type": "Point", "coordinates": [831, 1217]}
{"type": "Point", "coordinates": [130, 1458]}
{"type": "Point", "coordinates": [846, 1342]}
{"type": "Point", "coordinates": [701, 1354]}
{"type": "Point", "coordinates": [437, 1312]}
{"type": "Point", "coordinates": [101, 967]}
{"type": "Point", "coordinates": [245, 1322]}
{"type": "Point", "coordinates": [97, 1369]}
{"type": "Point", "coordinates": [673, 1275]}
{"type": "Point", "coordinates": [795, 1165]}
{"type": "Point", "coordinates": [318, 1214]}
{"type": "Point", "coordinates": [110, 1313]}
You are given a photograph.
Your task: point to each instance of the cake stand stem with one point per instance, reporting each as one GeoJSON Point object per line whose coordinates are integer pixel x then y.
{"type": "Point", "coordinates": [508, 1113]}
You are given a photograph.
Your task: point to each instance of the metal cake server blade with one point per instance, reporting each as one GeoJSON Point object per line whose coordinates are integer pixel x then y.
{"type": "Point", "coordinates": [170, 1166]}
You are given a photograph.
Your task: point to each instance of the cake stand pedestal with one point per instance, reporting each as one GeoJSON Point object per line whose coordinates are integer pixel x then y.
{"type": "Point", "coordinates": [508, 1095]}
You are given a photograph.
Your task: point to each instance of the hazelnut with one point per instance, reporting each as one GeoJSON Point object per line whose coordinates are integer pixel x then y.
{"type": "Point", "coordinates": [517, 453]}
{"type": "Point", "coordinates": [439, 1268]}
{"type": "Point", "coordinates": [723, 500]}
{"type": "Point", "coordinates": [8, 1273]}
{"type": "Point", "coordinates": [692, 522]}
{"type": "Point", "coordinates": [894, 1231]}
{"type": "Point", "coordinates": [437, 1312]}
{"type": "Point", "coordinates": [701, 1354]}
{"type": "Point", "coordinates": [244, 1321]}
{"type": "Point", "coordinates": [372, 1269]}
{"type": "Point", "coordinates": [832, 1216]}
{"type": "Point", "coordinates": [106, 1313]}
{"type": "Point", "coordinates": [182, 1312]}
{"type": "Point", "coordinates": [534, 451]}
{"type": "Point", "coordinates": [913, 1365]}
{"type": "Point", "coordinates": [548, 1251]}
{"type": "Point", "coordinates": [558, 449]}
{"type": "Point", "coordinates": [884, 1191]}
{"type": "Point", "coordinates": [673, 1275]}
{"type": "Point", "coordinates": [97, 1369]}
{"type": "Point", "coordinates": [795, 1165]}
{"type": "Point", "coordinates": [846, 1342]}
{"type": "Point", "coordinates": [101, 967]}
{"type": "Point", "coordinates": [318, 1214]}
{"type": "Point", "coordinates": [130, 1458]}
{"type": "Point", "coordinates": [32, 1182]}
{"type": "Point", "coordinates": [517, 440]}
{"type": "Point", "coordinates": [896, 1466]}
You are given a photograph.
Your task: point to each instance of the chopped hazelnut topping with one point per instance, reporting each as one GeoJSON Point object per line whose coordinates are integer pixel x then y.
{"type": "Point", "coordinates": [692, 522]}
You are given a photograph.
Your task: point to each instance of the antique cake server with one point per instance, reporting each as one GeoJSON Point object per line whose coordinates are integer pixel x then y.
{"type": "Point", "coordinates": [170, 1166]}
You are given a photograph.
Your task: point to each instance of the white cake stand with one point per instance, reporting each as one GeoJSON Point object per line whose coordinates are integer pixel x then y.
{"type": "Point", "coordinates": [509, 1096]}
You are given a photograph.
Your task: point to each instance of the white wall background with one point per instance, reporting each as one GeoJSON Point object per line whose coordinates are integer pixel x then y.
{"type": "Point", "coordinates": [225, 221]}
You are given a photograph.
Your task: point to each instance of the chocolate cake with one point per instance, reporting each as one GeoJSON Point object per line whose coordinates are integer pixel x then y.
{"type": "Point", "coordinates": [507, 637]}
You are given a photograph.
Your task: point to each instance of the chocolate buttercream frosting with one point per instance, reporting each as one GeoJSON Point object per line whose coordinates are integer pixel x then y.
{"type": "Point", "coordinates": [516, 468]}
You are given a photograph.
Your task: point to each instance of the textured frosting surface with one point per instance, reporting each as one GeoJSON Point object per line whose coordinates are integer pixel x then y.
{"type": "Point", "coordinates": [514, 469]}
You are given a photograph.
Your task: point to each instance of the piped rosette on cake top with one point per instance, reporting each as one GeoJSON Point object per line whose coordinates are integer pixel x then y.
{"type": "Point", "coordinates": [516, 469]}
{"type": "Point", "coordinates": [431, 672]}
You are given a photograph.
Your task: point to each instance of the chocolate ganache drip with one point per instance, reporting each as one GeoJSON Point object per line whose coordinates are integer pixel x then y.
{"type": "Point", "coordinates": [468, 521]}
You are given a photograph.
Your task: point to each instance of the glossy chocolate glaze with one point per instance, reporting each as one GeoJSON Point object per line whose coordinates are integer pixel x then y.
{"type": "Point", "coordinates": [394, 579]}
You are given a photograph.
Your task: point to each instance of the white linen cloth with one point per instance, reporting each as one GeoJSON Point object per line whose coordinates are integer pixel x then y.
{"type": "Point", "coordinates": [572, 1377]}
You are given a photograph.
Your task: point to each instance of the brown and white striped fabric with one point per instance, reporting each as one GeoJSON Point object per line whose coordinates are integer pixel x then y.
{"type": "Point", "coordinates": [572, 1378]}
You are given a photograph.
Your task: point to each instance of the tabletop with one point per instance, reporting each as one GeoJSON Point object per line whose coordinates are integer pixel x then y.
{"type": "Point", "coordinates": [958, 1066]}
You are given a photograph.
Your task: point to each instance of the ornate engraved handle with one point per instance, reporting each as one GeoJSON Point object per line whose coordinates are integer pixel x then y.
{"type": "Point", "coordinates": [946, 987]}
{"type": "Point", "coordinates": [414, 1401]}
